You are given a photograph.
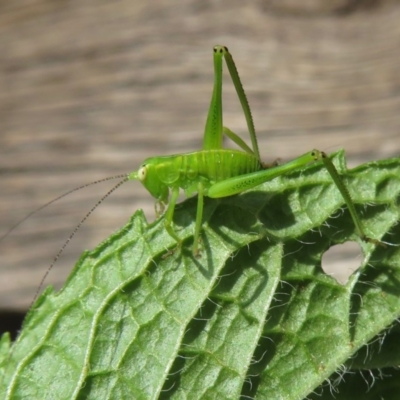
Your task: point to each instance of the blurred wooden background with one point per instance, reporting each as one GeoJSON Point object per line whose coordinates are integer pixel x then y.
{"type": "Point", "coordinates": [89, 89]}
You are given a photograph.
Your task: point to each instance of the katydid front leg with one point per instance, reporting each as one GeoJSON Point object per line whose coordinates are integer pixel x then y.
{"type": "Point", "coordinates": [169, 215]}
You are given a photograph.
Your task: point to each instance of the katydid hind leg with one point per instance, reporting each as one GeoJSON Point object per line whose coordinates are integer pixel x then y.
{"type": "Point", "coordinates": [238, 140]}
{"type": "Point", "coordinates": [243, 100]}
{"type": "Point", "coordinates": [213, 130]}
{"type": "Point", "coordinates": [214, 125]}
{"type": "Point", "coordinates": [238, 184]}
{"type": "Point", "coordinates": [241, 183]}
{"type": "Point", "coordinates": [320, 155]}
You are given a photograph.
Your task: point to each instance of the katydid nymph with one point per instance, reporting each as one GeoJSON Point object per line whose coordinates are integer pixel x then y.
{"type": "Point", "coordinates": [217, 172]}
{"type": "Point", "coordinates": [213, 171]}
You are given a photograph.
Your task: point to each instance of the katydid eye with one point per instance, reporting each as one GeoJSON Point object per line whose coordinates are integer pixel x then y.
{"type": "Point", "coordinates": [142, 173]}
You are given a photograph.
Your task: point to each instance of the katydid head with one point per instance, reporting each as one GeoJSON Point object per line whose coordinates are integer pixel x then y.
{"type": "Point", "coordinates": [147, 175]}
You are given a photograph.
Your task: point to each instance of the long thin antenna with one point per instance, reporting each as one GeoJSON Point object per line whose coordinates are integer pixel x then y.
{"type": "Point", "coordinates": [126, 178]}
{"type": "Point", "coordinates": [56, 199]}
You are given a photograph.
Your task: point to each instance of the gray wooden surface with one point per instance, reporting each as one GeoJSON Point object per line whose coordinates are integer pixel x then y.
{"type": "Point", "coordinates": [89, 89]}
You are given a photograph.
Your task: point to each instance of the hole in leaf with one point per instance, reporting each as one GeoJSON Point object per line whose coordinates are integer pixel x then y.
{"type": "Point", "coordinates": [342, 260]}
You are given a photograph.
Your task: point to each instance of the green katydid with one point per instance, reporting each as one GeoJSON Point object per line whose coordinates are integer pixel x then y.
{"type": "Point", "coordinates": [213, 171]}
{"type": "Point", "coordinates": [217, 172]}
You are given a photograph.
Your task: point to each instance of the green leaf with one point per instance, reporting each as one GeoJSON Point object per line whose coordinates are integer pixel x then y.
{"type": "Point", "coordinates": [361, 385]}
{"type": "Point", "coordinates": [254, 317]}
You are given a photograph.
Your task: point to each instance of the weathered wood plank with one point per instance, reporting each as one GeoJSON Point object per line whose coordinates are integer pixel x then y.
{"type": "Point", "coordinates": [89, 89]}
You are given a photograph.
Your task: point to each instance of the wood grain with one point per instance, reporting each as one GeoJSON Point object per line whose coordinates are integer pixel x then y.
{"type": "Point", "coordinates": [89, 89]}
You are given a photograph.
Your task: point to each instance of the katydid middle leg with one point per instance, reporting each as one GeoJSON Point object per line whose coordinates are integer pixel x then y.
{"type": "Point", "coordinates": [199, 218]}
